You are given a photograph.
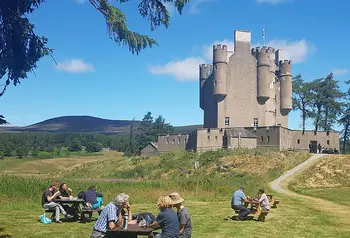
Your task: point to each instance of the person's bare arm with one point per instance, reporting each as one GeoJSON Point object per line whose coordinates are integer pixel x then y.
{"type": "Point", "coordinates": [182, 228]}
{"type": "Point", "coordinates": [120, 217]}
{"type": "Point", "coordinates": [112, 225]}
{"type": "Point", "coordinates": [154, 225]}
{"type": "Point", "coordinates": [56, 194]}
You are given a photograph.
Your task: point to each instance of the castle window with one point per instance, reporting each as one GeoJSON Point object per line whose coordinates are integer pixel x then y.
{"type": "Point", "coordinates": [298, 141]}
{"type": "Point", "coordinates": [179, 141]}
{"type": "Point", "coordinates": [208, 138]}
{"type": "Point", "coordinates": [227, 121]}
{"type": "Point", "coordinates": [173, 141]}
{"type": "Point", "coordinates": [275, 98]}
{"type": "Point", "coordinates": [216, 138]}
{"type": "Point", "coordinates": [185, 141]}
{"type": "Point", "coordinates": [167, 141]}
{"type": "Point", "coordinates": [214, 82]}
{"type": "Point", "coordinates": [327, 142]}
{"type": "Point", "coordinates": [208, 130]}
{"type": "Point", "coordinates": [256, 122]}
{"type": "Point", "coordinates": [268, 138]}
{"type": "Point", "coordinates": [327, 133]}
{"type": "Point", "coordinates": [262, 138]}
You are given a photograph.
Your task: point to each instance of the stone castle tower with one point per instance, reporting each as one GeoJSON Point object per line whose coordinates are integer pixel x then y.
{"type": "Point", "coordinates": [250, 88]}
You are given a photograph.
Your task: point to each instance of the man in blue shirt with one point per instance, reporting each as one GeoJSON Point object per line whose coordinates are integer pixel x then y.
{"type": "Point", "coordinates": [236, 203]}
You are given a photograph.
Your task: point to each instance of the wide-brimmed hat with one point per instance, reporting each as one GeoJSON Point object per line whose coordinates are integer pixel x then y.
{"type": "Point", "coordinates": [175, 197]}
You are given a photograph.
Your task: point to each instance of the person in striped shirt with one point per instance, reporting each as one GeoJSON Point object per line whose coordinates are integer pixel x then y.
{"type": "Point", "coordinates": [112, 216]}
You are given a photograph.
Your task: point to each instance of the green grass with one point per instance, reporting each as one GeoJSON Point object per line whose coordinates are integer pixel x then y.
{"type": "Point", "coordinates": [294, 218]}
{"type": "Point", "coordinates": [207, 192]}
{"type": "Point", "coordinates": [328, 179]}
{"type": "Point", "coordinates": [336, 195]}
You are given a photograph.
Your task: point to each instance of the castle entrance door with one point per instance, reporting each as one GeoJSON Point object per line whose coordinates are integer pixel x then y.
{"type": "Point", "coordinates": [313, 146]}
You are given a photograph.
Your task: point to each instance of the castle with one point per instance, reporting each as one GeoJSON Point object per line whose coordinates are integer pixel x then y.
{"type": "Point", "coordinates": [246, 96]}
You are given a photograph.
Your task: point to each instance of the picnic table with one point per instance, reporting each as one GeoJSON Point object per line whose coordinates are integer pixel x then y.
{"type": "Point", "coordinates": [76, 205]}
{"type": "Point", "coordinates": [272, 201]}
{"type": "Point", "coordinates": [133, 231]}
{"type": "Point", "coordinates": [255, 210]}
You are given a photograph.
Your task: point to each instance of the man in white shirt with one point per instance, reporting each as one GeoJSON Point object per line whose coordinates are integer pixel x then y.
{"type": "Point", "coordinates": [263, 200]}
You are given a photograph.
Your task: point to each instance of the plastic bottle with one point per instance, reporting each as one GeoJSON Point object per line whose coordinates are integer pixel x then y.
{"type": "Point", "coordinates": [126, 220]}
{"type": "Point", "coordinates": [148, 221]}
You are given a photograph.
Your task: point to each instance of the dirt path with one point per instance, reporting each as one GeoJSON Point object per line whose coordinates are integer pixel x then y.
{"type": "Point", "coordinates": [277, 184]}
{"type": "Point", "coordinates": [280, 185]}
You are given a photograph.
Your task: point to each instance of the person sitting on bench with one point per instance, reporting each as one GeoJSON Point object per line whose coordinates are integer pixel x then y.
{"type": "Point", "coordinates": [112, 216]}
{"type": "Point", "coordinates": [65, 191]}
{"type": "Point", "coordinates": [93, 197]}
{"type": "Point", "coordinates": [263, 200]}
{"type": "Point", "coordinates": [236, 203]}
{"type": "Point", "coordinates": [47, 201]}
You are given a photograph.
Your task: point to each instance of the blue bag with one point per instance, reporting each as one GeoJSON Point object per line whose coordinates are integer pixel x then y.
{"type": "Point", "coordinates": [44, 219]}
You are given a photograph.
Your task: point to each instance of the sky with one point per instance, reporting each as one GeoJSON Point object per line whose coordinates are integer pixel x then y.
{"type": "Point", "coordinates": [95, 76]}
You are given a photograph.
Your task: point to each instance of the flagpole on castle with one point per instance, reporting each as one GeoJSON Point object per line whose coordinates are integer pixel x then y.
{"type": "Point", "coordinates": [263, 36]}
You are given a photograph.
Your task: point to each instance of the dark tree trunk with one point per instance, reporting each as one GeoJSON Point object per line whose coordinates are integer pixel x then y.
{"type": "Point", "coordinates": [346, 128]}
{"type": "Point", "coordinates": [303, 116]}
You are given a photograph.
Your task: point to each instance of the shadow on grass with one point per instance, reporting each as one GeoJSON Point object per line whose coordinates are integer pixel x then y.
{"type": "Point", "coordinates": [234, 218]}
{"type": "Point", "coordinates": [3, 236]}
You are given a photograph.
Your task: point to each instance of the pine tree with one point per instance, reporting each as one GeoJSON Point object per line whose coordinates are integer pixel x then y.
{"type": "Point", "coordinates": [302, 98]}
{"type": "Point", "coordinates": [345, 119]}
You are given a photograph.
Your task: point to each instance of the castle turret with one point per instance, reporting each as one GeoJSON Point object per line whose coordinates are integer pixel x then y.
{"type": "Point", "coordinates": [204, 73]}
{"type": "Point", "coordinates": [266, 71]}
{"type": "Point", "coordinates": [219, 69]}
{"type": "Point", "coordinates": [286, 86]}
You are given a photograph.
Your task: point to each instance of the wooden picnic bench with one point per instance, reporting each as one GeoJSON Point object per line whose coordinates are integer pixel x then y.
{"type": "Point", "coordinates": [255, 210]}
{"type": "Point", "coordinates": [272, 201]}
{"type": "Point", "coordinates": [88, 211]}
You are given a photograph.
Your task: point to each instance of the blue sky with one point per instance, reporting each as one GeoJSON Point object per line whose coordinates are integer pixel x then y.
{"type": "Point", "coordinates": [97, 77]}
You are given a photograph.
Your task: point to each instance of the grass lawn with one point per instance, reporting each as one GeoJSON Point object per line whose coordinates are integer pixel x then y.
{"type": "Point", "coordinates": [293, 218]}
{"type": "Point", "coordinates": [207, 192]}
{"type": "Point", "coordinates": [336, 195]}
{"type": "Point", "coordinates": [36, 166]}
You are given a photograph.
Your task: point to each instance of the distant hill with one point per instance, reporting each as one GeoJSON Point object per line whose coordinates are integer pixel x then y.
{"type": "Point", "coordinates": [86, 124]}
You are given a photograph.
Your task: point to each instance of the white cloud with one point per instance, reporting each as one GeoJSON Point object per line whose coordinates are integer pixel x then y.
{"type": "Point", "coordinates": [340, 72]}
{"type": "Point", "coordinates": [272, 2]}
{"type": "Point", "coordinates": [74, 66]}
{"type": "Point", "coordinates": [187, 69]}
{"type": "Point", "coordinates": [182, 70]}
{"type": "Point", "coordinates": [208, 49]}
{"type": "Point", "coordinates": [297, 51]}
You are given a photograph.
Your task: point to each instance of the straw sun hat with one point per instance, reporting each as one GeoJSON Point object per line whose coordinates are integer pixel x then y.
{"type": "Point", "coordinates": [175, 197]}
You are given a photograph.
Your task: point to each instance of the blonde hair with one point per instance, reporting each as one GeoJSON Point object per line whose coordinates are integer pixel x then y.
{"type": "Point", "coordinates": [164, 202]}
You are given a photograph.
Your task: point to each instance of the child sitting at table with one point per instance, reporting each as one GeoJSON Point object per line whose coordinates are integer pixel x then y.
{"type": "Point", "coordinates": [166, 220]}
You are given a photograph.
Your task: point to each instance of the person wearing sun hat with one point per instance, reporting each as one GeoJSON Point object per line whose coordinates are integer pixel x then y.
{"type": "Point", "coordinates": [183, 215]}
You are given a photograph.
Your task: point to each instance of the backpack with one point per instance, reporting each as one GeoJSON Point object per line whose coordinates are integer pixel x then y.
{"type": "Point", "coordinates": [140, 216]}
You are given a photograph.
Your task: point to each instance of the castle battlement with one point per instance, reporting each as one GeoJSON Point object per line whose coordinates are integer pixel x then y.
{"type": "Point", "coordinates": [243, 90]}
{"type": "Point", "coordinates": [205, 66]}
{"type": "Point", "coordinates": [219, 47]}
{"type": "Point", "coordinates": [283, 62]}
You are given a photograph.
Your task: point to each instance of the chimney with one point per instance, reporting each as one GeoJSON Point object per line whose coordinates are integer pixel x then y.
{"type": "Point", "coordinates": [242, 42]}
